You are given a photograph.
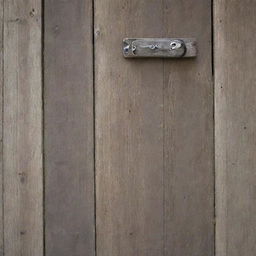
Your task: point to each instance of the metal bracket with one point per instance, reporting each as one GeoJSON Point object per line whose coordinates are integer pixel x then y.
{"type": "Point", "coordinates": [159, 47]}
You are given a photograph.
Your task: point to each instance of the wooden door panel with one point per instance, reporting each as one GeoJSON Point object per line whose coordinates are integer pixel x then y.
{"type": "Point", "coordinates": [68, 124]}
{"type": "Point", "coordinates": [154, 133]}
{"type": "Point", "coordinates": [235, 24]}
{"type": "Point", "coordinates": [22, 128]}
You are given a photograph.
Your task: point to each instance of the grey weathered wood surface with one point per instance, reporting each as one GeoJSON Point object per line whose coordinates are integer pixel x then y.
{"type": "Point", "coordinates": [68, 119]}
{"type": "Point", "coordinates": [188, 134]}
{"type": "Point", "coordinates": [154, 133]}
{"type": "Point", "coordinates": [129, 132]}
{"type": "Point", "coordinates": [154, 130]}
{"type": "Point", "coordinates": [235, 107]}
{"type": "Point", "coordinates": [1, 128]}
{"type": "Point", "coordinates": [22, 129]}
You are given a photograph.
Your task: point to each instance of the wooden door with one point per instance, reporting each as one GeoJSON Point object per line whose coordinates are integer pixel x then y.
{"type": "Point", "coordinates": [153, 133]}
{"type": "Point", "coordinates": [106, 156]}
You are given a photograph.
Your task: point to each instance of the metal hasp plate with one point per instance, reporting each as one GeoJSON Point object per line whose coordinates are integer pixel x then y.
{"type": "Point", "coordinates": [159, 47]}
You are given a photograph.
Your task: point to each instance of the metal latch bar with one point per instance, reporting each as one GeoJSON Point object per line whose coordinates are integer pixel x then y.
{"type": "Point", "coordinates": [159, 47]}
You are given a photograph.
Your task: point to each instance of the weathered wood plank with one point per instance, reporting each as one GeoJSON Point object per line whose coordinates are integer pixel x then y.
{"type": "Point", "coordinates": [22, 129]}
{"type": "Point", "coordinates": [129, 133]}
{"type": "Point", "coordinates": [68, 98]}
{"type": "Point", "coordinates": [188, 134]}
{"type": "Point", "coordinates": [235, 108]}
{"type": "Point", "coordinates": [1, 128]}
{"type": "Point", "coordinates": [154, 133]}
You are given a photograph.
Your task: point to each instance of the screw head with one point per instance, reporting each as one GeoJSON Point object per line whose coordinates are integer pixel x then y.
{"type": "Point", "coordinates": [175, 45]}
{"type": "Point", "coordinates": [126, 49]}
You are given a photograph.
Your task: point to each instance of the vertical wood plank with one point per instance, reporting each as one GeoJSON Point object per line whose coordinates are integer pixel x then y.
{"type": "Point", "coordinates": [154, 133]}
{"type": "Point", "coordinates": [1, 128]}
{"type": "Point", "coordinates": [188, 134]}
{"type": "Point", "coordinates": [23, 190]}
{"type": "Point", "coordinates": [69, 158]}
{"type": "Point", "coordinates": [235, 109]}
{"type": "Point", "coordinates": [129, 133]}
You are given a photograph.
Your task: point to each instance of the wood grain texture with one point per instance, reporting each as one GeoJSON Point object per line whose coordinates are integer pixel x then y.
{"type": "Point", "coordinates": [129, 132]}
{"type": "Point", "coordinates": [235, 108]}
{"type": "Point", "coordinates": [1, 128]}
{"type": "Point", "coordinates": [154, 133]}
{"type": "Point", "coordinates": [22, 129]}
{"type": "Point", "coordinates": [68, 97]}
{"type": "Point", "coordinates": [188, 134]}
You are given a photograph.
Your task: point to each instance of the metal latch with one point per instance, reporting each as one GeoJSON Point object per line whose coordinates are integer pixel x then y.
{"type": "Point", "coordinates": [159, 47]}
